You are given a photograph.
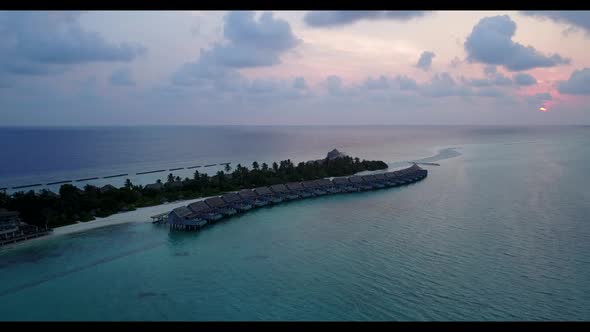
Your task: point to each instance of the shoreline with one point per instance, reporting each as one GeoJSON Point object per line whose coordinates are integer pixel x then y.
{"type": "Point", "coordinates": [140, 215]}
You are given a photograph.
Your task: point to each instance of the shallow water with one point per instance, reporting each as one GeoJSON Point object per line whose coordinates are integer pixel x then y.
{"type": "Point", "coordinates": [499, 231]}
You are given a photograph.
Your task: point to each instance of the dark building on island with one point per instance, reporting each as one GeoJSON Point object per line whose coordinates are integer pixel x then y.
{"type": "Point", "coordinates": [13, 229]}
{"type": "Point", "coordinates": [9, 223]}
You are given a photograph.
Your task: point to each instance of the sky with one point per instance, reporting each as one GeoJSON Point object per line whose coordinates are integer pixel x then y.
{"type": "Point", "coordinates": [294, 68]}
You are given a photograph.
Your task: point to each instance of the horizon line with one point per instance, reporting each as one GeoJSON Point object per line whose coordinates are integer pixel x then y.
{"type": "Point", "coordinates": [292, 125]}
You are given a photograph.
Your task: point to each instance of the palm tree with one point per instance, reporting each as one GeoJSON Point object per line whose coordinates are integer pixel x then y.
{"type": "Point", "coordinates": [221, 179]}
{"type": "Point", "coordinates": [170, 178]}
{"type": "Point", "coordinates": [275, 166]}
{"type": "Point", "coordinates": [128, 184]}
{"type": "Point", "coordinates": [227, 168]}
{"type": "Point", "coordinates": [255, 165]}
{"type": "Point", "coordinates": [196, 175]}
{"type": "Point", "coordinates": [264, 167]}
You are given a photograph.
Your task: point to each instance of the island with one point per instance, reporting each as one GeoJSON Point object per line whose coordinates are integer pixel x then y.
{"type": "Point", "coordinates": [46, 210]}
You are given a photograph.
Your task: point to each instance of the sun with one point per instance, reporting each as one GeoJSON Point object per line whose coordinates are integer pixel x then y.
{"type": "Point", "coordinates": [542, 109]}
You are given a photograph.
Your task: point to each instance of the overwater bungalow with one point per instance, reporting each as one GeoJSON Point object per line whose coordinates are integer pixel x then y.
{"type": "Point", "coordinates": [344, 185]}
{"type": "Point", "coordinates": [204, 211]}
{"type": "Point", "coordinates": [220, 206]}
{"type": "Point", "coordinates": [420, 174]}
{"type": "Point", "coordinates": [284, 192]}
{"type": "Point", "coordinates": [417, 172]}
{"type": "Point", "coordinates": [400, 177]}
{"type": "Point", "coordinates": [268, 195]}
{"type": "Point", "coordinates": [393, 178]}
{"type": "Point", "coordinates": [358, 182]}
{"type": "Point", "coordinates": [234, 201]}
{"type": "Point", "coordinates": [328, 186]}
{"type": "Point", "coordinates": [373, 181]}
{"type": "Point", "coordinates": [250, 197]}
{"type": "Point", "coordinates": [412, 173]}
{"type": "Point", "coordinates": [201, 213]}
{"type": "Point", "coordinates": [313, 187]}
{"type": "Point", "coordinates": [184, 219]}
{"type": "Point", "coordinates": [298, 189]}
{"type": "Point", "coordinates": [381, 178]}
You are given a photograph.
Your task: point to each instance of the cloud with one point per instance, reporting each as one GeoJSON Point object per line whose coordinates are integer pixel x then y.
{"type": "Point", "coordinates": [490, 70]}
{"type": "Point", "coordinates": [524, 79]}
{"type": "Point", "coordinates": [425, 60]}
{"type": "Point", "coordinates": [493, 78]}
{"type": "Point", "coordinates": [499, 79]}
{"type": "Point", "coordinates": [543, 96]}
{"type": "Point", "coordinates": [490, 42]}
{"type": "Point", "coordinates": [440, 85]}
{"type": "Point", "coordinates": [299, 83]}
{"type": "Point", "coordinates": [335, 18]}
{"type": "Point", "coordinates": [538, 99]}
{"type": "Point", "coordinates": [249, 43]}
{"type": "Point", "coordinates": [377, 84]}
{"type": "Point", "coordinates": [38, 43]}
{"type": "Point", "coordinates": [273, 90]}
{"type": "Point", "coordinates": [577, 84]}
{"type": "Point", "coordinates": [334, 85]}
{"type": "Point", "coordinates": [456, 62]}
{"type": "Point", "coordinates": [489, 92]}
{"type": "Point", "coordinates": [30, 69]}
{"type": "Point", "coordinates": [406, 83]}
{"type": "Point", "coordinates": [477, 82]}
{"type": "Point", "coordinates": [261, 86]}
{"type": "Point", "coordinates": [443, 85]}
{"type": "Point", "coordinates": [122, 77]}
{"type": "Point", "coordinates": [205, 71]}
{"type": "Point", "coordinates": [575, 18]}
{"type": "Point", "coordinates": [496, 78]}
{"type": "Point", "coordinates": [254, 43]}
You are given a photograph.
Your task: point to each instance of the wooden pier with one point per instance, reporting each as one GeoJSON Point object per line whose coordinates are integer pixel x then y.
{"type": "Point", "coordinates": [24, 237]}
{"type": "Point", "coordinates": [428, 164]}
{"type": "Point", "coordinates": [161, 218]}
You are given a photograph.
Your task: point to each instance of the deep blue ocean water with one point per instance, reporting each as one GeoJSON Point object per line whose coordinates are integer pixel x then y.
{"type": "Point", "coordinates": [499, 231]}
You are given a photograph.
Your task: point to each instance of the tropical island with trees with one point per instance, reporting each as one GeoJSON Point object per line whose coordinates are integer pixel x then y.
{"type": "Point", "coordinates": [72, 204]}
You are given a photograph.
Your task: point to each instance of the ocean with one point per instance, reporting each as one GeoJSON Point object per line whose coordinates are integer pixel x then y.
{"type": "Point", "coordinates": [499, 231]}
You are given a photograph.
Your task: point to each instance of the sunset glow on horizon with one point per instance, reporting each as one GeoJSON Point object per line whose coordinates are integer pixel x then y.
{"type": "Point", "coordinates": [293, 67]}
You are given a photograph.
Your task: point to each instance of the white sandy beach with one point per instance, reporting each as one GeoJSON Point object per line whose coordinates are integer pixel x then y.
{"type": "Point", "coordinates": [141, 215]}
